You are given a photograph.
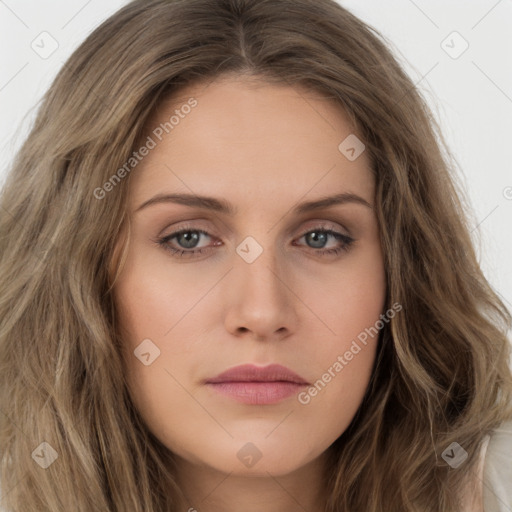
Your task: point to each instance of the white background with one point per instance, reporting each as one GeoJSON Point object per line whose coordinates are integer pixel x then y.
{"type": "Point", "coordinates": [471, 95]}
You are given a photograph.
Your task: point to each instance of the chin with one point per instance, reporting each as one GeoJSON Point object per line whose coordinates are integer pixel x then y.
{"type": "Point", "coordinates": [257, 458]}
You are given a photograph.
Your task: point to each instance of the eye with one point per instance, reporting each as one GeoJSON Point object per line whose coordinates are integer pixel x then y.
{"type": "Point", "coordinates": [188, 238]}
{"type": "Point", "coordinates": [318, 238]}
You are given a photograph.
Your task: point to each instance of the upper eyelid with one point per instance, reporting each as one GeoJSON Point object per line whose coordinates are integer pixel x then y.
{"type": "Point", "coordinates": [313, 224]}
{"type": "Point", "coordinates": [325, 225]}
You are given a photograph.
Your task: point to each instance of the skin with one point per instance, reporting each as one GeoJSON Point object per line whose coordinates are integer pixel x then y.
{"type": "Point", "coordinates": [264, 148]}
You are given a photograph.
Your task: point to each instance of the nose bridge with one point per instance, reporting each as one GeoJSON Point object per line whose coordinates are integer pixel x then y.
{"type": "Point", "coordinates": [258, 266]}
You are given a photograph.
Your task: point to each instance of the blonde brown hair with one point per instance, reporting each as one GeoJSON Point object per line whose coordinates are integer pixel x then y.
{"type": "Point", "coordinates": [442, 370]}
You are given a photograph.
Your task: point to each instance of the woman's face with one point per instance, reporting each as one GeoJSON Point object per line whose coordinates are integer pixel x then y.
{"type": "Point", "coordinates": [259, 168]}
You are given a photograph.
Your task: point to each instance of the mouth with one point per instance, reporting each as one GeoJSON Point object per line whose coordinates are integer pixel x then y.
{"type": "Point", "coordinates": [256, 385]}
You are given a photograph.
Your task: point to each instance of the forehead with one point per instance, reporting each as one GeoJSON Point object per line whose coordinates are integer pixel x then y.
{"type": "Point", "coordinates": [250, 140]}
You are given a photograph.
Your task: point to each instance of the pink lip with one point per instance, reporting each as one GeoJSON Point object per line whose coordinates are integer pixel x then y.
{"type": "Point", "coordinates": [256, 385]}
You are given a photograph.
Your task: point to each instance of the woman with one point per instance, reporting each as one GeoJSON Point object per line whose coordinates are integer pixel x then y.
{"type": "Point", "coordinates": [236, 274]}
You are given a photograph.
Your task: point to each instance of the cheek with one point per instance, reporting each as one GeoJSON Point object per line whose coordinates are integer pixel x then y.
{"type": "Point", "coordinates": [151, 300]}
{"type": "Point", "coordinates": [160, 398]}
{"type": "Point", "coordinates": [352, 306]}
{"type": "Point", "coordinates": [352, 296]}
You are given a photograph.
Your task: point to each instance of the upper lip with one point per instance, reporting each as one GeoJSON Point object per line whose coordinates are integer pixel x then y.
{"type": "Point", "coordinates": [253, 373]}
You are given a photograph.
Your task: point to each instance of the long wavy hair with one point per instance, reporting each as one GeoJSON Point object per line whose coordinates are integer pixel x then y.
{"type": "Point", "coordinates": [441, 373]}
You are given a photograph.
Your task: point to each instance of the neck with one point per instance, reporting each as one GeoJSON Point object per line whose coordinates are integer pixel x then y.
{"type": "Point", "coordinates": [208, 490]}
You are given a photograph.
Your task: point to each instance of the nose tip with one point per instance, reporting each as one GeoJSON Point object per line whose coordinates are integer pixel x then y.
{"type": "Point", "coordinates": [259, 300]}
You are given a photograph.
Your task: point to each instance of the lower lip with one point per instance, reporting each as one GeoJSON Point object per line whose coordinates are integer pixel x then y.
{"type": "Point", "coordinates": [257, 393]}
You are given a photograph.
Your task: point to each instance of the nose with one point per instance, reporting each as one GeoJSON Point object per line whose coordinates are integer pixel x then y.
{"type": "Point", "coordinates": [260, 301]}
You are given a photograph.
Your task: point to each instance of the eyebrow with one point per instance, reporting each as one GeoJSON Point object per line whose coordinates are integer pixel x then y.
{"type": "Point", "coordinates": [222, 206]}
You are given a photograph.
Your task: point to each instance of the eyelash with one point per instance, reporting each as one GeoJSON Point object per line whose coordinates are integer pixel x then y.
{"type": "Point", "coordinates": [180, 253]}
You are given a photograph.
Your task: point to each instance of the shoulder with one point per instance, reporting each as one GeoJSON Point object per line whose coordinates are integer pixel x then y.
{"type": "Point", "coordinates": [497, 471]}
